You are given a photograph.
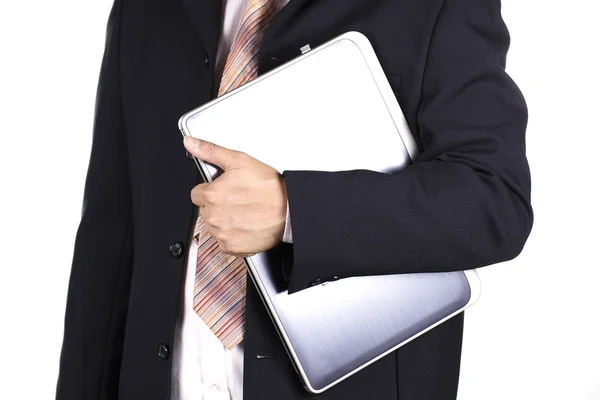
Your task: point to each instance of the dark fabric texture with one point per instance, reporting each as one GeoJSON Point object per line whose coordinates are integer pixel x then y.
{"type": "Point", "coordinates": [464, 203]}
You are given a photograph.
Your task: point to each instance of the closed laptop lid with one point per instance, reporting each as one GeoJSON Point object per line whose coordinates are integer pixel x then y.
{"type": "Point", "coordinates": [321, 111]}
{"type": "Point", "coordinates": [331, 109]}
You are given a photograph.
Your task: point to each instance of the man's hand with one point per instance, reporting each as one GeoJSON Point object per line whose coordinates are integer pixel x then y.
{"type": "Point", "coordinates": [245, 207]}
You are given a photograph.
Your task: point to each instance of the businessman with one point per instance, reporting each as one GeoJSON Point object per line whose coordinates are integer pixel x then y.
{"type": "Point", "coordinates": [159, 304]}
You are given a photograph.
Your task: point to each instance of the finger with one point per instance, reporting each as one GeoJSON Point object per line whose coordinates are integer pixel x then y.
{"type": "Point", "coordinates": [220, 244]}
{"type": "Point", "coordinates": [223, 247]}
{"type": "Point", "coordinates": [199, 196]}
{"type": "Point", "coordinates": [203, 211]}
{"type": "Point", "coordinates": [222, 157]}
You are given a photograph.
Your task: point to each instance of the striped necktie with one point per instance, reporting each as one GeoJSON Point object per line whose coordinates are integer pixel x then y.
{"type": "Point", "coordinates": [220, 281]}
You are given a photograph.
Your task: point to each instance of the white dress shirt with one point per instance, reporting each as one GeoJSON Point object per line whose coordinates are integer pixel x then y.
{"type": "Point", "coordinates": [203, 368]}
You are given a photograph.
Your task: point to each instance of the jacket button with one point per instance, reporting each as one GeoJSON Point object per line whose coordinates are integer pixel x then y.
{"type": "Point", "coordinates": [163, 351]}
{"type": "Point", "coordinates": [334, 278]}
{"type": "Point", "coordinates": [176, 249]}
{"type": "Point", "coordinates": [315, 281]}
{"type": "Point", "coordinates": [206, 62]}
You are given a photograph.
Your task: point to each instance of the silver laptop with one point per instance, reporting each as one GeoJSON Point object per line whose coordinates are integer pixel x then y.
{"type": "Point", "coordinates": [339, 113]}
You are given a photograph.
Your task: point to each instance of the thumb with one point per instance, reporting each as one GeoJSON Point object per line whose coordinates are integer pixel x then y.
{"type": "Point", "coordinates": [211, 153]}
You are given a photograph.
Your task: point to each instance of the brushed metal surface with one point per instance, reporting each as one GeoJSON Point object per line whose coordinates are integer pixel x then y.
{"type": "Point", "coordinates": [350, 119]}
{"type": "Point", "coordinates": [336, 327]}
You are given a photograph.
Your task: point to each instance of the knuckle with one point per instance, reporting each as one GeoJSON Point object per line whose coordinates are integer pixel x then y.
{"type": "Point", "coordinates": [215, 233]}
{"type": "Point", "coordinates": [211, 195]}
{"type": "Point", "coordinates": [223, 248]}
{"type": "Point", "coordinates": [239, 155]}
{"type": "Point", "coordinates": [215, 221]}
{"type": "Point", "coordinates": [232, 248]}
{"type": "Point", "coordinates": [208, 219]}
{"type": "Point", "coordinates": [212, 221]}
{"type": "Point", "coordinates": [239, 250]}
{"type": "Point", "coordinates": [241, 158]}
{"type": "Point", "coordinates": [211, 231]}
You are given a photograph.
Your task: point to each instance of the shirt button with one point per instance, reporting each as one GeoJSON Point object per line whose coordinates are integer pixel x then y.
{"type": "Point", "coordinates": [176, 249]}
{"type": "Point", "coordinates": [215, 387]}
{"type": "Point", "coordinates": [163, 351]}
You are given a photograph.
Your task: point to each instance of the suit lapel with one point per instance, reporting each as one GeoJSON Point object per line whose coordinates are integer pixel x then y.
{"type": "Point", "coordinates": [206, 17]}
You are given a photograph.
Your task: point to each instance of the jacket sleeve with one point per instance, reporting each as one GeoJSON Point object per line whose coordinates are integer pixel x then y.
{"type": "Point", "coordinates": [100, 275]}
{"type": "Point", "coordinates": [463, 204]}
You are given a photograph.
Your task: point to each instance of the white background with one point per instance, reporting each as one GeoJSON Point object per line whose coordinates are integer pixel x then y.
{"type": "Point", "coordinates": [535, 333]}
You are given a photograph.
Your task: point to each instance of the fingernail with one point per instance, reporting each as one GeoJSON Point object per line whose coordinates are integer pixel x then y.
{"type": "Point", "coordinates": [192, 141]}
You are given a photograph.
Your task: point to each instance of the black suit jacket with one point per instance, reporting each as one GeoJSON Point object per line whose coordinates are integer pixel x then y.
{"type": "Point", "coordinates": [465, 202]}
